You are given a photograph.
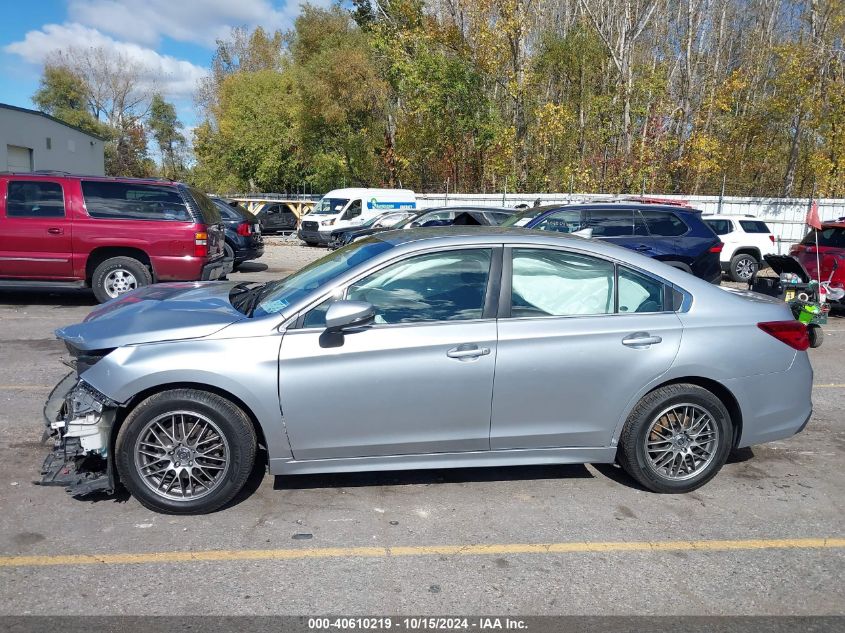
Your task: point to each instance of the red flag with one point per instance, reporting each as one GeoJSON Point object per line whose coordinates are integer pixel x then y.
{"type": "Point", "coordinates": [813, 216]}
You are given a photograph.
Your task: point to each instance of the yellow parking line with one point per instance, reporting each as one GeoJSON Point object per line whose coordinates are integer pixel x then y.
{"type": "Point", "coordinates": [421, 550]}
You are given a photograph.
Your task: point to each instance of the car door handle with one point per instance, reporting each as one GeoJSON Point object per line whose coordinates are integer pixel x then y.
{"type": "Point", "coordinates": [55, 230]}
{"type": "Point", "coordinates": [467, 351]}
{"type": "Point", "coordinates": [641, 339]}
{"type": "Point", "coordinates": [643, 247]}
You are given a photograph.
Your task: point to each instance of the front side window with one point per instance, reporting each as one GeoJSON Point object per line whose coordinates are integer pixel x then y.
{"type": "Point", "coordinates": [436, 216]}
{"type": "Point", "coordinates": [558, 283]}
{"type": "Point", "coordinates": [720, 227]}
{"type": "Point", "coordinates": [353, 211]}
{"type": "Point", "coordinates": [562, 222]}
{"type": "Point", "coordinates": [129, 201]}
{"type": "Point", "coordinates": [615, 223]}
{"type": "Point", "coordinates": [664, 224]}
{"type": "Point", "coordinates": [31, 199]}
{"type": "Point", "coordinates": [445, 286]}
{"type": "Point", "coordinates": [639, 293]}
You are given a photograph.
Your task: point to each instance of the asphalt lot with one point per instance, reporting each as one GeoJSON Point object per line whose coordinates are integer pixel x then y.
{"type": "Point", "coordinates": [540, 540]}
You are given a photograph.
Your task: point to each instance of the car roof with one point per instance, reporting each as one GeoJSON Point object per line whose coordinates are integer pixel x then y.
{"type": "Point", "coordinates": [470, 207]}
{"type": "Point", "coordinates": [52, 175]}
{"type": "Point", "coordinates": [732, 216]}
{"type": "Point", "coordinates": [626, 204]}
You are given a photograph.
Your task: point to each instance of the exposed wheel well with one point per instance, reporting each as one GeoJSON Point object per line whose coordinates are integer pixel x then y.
{"type": "Point", "coordinates": [101, 254]}
{"type": "Point", "coordinates": [722, 393]}
{"type": "Point", "coordinates": [125, 410]}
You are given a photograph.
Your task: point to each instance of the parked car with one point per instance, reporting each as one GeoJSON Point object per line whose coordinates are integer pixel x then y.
{"type": "Point", "coordinates": [673, 234]}
{"type": "Point", "coordinates": [349, 208]}
{"type": "Point", "coordinates": [437, 216]}
{"type": "Point", "coordinates": [112, 235]}
{"type": "Point", "coordinates": [831, 249]}
{"type": "Point", "coordinates": [600, 354]}
{"type": "Point", "coordinates": [339, 237]}
{"type": "Point", "coordinates": [276, 217]}
{"type": "Point", "coordinates": [746, 241]}
{"type": "Point", "coordinates": [242, 232]}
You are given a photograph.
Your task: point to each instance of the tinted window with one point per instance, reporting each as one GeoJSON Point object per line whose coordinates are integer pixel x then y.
{"type": "Point", "coordinates": [557, 283]}
{"type": "Point", "coordinates": [125, 201]}
{"type": "Point", "coordinates": [639, 293]}
{"type": "Point", "coordinates": [664, 223]}
{"type": "Point", "coordinates": [208, 210]}
{"type": "Point", "coordinates": [720, 227]}
{"type": "Point", "coordinates": [34, 200]}
{"type": "Point", "coordinates": [434, 216]}
{"type": "Point", "coordinates": [498, 217]}
{"type": "Point", "coordinates": [754, 226]}
{"type": "Point", "coordinates": [447, 286]}
{"type": "Point", "coordinates": [827, 237]}
{"type": "Point", "coordinates": [613, 223]}
{"type": "Point", "coordinates": [226, 212]}
{"type": "Point", "coordinates": [561, 221]}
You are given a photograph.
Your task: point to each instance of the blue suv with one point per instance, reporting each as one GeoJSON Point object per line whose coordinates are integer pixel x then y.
{"type": "Point", "coordinates": [673, 234]}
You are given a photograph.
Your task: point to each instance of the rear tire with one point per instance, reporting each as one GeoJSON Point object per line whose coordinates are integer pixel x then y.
{"type": "Point", "coordinates": [117, 276]}
{"type": "Point", "coordinates": [676, 439]}
{"type": "Point", "coordinates": [185, 451]}
{"type": "Point", "coordinates": [743, 267]}
{"type": "Point", "coordinates": [816, 335]}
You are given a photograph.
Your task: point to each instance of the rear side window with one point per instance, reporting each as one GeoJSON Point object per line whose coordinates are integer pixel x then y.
{"type": "Point", "coordinates": [720, 227]}
{"type": "Point", "coordinates": [754, 226]}
{"type": "Point", "coordinates": [639, 293]}
{"type": "Point", "coordinates": [129, 201]}
{"type": "Point", "coordinates": [833, 236]}
{"type": "Point", "coordinates": [615, 223]}
{"type": "Point", "coordinates": [664, 224]}
{"type": "Point", "coordinates": [29, 199]}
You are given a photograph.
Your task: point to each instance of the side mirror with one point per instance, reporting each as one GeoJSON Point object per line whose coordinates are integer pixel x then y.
{"type": "Point", "coordinates": [586, 233]}
{"type": "Point", "coordinates": [347, 315]}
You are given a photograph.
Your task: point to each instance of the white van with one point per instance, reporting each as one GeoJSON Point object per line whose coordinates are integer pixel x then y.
{"type": "Point", "coordinates": [351, 207]}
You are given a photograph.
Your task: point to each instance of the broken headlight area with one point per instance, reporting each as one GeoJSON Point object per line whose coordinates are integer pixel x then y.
{"type": "Point", "coordinates": [79, 420]}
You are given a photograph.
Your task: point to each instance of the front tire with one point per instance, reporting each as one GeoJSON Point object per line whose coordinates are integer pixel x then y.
{"type": "Point", "coordinates": [676, 439]}
{"type": "Point", "coordinates": [117, 276]}
{"type": "Point", "coordinates": [743, 267]}
{"type": "Point", "coordinates": [185, 451]}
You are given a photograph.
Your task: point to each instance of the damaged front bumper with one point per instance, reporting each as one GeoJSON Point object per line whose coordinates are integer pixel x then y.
{"type": "Point", "coordinates": [79, 419]}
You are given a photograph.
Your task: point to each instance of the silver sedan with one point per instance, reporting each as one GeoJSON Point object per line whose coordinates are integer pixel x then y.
{"type": "Point", "coordinates": [471, 346]}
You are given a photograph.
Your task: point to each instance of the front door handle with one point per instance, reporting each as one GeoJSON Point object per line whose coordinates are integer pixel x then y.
{"type": "Point", "coordinates": [54, 230]}
{"type": "Point", "coordinates": [467, 351]}
{"type": "Point", "coordinates": [641, 339]}
{"type": "Point", "coordinates": [643, 247]}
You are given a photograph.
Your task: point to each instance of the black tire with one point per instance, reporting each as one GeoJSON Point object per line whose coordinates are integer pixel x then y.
{"type": "Point", "coordinates": [232, 423]}
{"type": "Point", "coordinates": [632, 443]}
{"type": "Point", "coordinates": [102, 280]}
{"type": "Point", "coordinates": [311, 244]}
{"type": "Point", "coordinates": [816, 335]}
{"type": "Point", "coordinates": [743, 267]}
{"type": "Point", "coordinates": [228, 252]}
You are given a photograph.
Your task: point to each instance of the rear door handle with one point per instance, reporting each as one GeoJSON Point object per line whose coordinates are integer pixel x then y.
{"type": "Point", "coordinates": [641, 339]}
{"type": "Point", "coordinates": [643, 247]}
{"type": "Point", "coordinates": [466, 351]}
{"type": "Point", "coordinates": [55, 230]}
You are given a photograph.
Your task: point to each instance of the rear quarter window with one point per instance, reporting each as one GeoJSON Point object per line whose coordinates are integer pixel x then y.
{"type": "Point", "coordinates": [754, 226]}
{"type": "Point", "coordinates": [129, 201]}
{"type": "Point", "coordinates": [202, 203]}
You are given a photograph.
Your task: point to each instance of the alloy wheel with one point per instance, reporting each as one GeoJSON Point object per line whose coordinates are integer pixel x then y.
{"type": "Point", "coordinates": [681, 441]}
{"type": "Point", "coordinates": [119, 281]}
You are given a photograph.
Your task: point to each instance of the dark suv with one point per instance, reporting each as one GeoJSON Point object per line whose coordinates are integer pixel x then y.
{"type": "Point", "coordinates": [672, 234]}
{"type": "Point", "coordinates": [108, 234]}
{"type": "Point", "coordinates": [243, 232]}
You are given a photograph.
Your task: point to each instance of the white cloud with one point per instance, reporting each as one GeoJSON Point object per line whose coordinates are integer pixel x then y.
{"type": "Point", "coordinates": [174, 77]}
{"type": "Point", "coordinates": [200, 21]}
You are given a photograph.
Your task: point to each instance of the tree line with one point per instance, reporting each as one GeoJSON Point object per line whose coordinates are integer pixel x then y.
{"type": "Point", "coordinates": [672, 96]}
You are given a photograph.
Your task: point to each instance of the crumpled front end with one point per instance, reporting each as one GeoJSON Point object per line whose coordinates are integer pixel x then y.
{"type": "Point", "coordinates": [79, 420]}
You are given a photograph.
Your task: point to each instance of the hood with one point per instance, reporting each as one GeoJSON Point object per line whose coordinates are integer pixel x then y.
{"type": "Point", "coordinates": [163, 312]}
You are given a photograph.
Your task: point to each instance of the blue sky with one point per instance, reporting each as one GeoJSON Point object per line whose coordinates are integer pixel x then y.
{"type": "Point", "coordinates": [173, 40]}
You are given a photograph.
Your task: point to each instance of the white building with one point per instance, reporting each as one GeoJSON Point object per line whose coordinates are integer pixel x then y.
{"type": "Point", "coordinates": [32, 141]}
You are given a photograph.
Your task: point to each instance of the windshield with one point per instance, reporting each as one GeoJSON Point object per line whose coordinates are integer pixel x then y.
{"type": "Point", "coordinates": [521, 219]}
{"type": "Point", "coordinates": [280, 294]}
{"type": "Point", "coordinates": [329, 206]}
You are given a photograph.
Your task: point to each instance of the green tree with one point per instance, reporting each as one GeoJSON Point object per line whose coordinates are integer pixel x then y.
{"type": "Point", "coordinates": [65, 95]}
{"type": "Point", "coordinates": [165, 128]}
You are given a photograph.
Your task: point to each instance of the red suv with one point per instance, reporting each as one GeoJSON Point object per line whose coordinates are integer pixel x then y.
{"type": "Point", "coordinates": [108, 234]}
{"type": "Point", "coordinates": [831, 249]}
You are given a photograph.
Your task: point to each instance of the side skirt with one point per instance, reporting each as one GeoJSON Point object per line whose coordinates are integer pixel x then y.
{"type": "Point", "coordinates": [510, 457]}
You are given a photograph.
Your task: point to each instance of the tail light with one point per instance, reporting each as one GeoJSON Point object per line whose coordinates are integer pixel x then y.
{"type": "Point", "coordinates": [201, 244]}
{"type": "Point", "coordinates": [772, 238]}
{"type": "Point", "coordinates": [717, 249]}
{"type": "Point", "coordinates": [244, 229]}
{"type": "Point", "coordinates": [793, 333]}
